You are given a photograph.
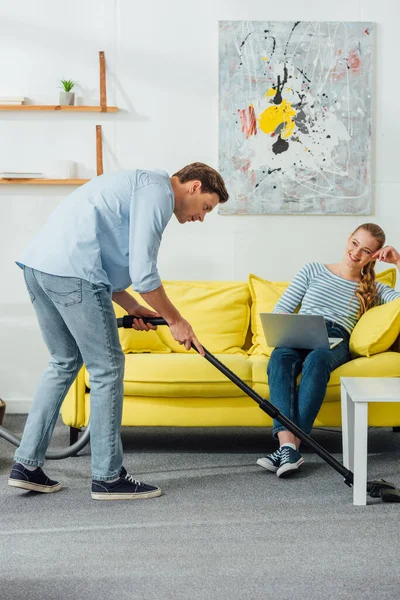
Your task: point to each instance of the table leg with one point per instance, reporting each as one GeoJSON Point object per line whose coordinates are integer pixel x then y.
{"type": "Point", "coordinates": [347, 428]}
{"type": "Point", "coordinates": [360, 453]}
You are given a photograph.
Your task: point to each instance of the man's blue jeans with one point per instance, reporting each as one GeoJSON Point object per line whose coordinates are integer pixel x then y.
{"type": "Point", "coordinates": [301, 403]}
{"type": "Point", "coordinates": [78, 325]}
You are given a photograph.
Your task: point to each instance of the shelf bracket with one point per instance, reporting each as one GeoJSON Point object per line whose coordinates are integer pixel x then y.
{"type": "Point", "coordinates": [103, 92]}
{"type": "Point", "coordinates": [99, 150]}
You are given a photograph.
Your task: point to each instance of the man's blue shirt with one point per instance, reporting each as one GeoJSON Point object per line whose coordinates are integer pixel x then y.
{"type": "Point", "coordinates": [107, 231]}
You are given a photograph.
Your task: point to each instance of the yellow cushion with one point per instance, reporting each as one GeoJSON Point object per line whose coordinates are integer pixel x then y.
{"type": "Point", "coordinates": [144, 411]}
{"type": "Point", "coordinates": [138, 341]}
{"type": "Point", "coordinates": [377, 330]}
{"type": "Point", "coordinates": [179, 375]}
{"type": "Point", "coordinates": [219, 313]}
{"type": "Point", "coordinates": [387, 277]}
{"type": "Point", "coordinates": [264, 295]}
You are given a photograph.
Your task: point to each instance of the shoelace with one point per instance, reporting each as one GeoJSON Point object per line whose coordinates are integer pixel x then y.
{"type": "Point", "coordinates": [132, 479]}
{"type": "Point", "coordinates": [285, 453]}
{"type": "Point", "coordinates": [276, 454]}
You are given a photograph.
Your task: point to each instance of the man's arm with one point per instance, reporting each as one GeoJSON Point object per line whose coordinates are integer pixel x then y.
{"type": "Point", "coordinates": [150, 212]}
{"type": "Point", "coordinates": [159, 300]}
{"type": "Point", "coordinates": [125, 300]}
{"type": "Point", "coordinates": [133, 307]}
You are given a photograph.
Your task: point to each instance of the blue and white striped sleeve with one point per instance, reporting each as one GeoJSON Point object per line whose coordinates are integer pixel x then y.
{"type": "Point", "coordinates": [386, 293]}
{"type": "Point", "coordinates": [294, 294]}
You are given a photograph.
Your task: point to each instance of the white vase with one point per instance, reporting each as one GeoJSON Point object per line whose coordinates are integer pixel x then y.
{"type": "Point", "coordinates": [67, 98]}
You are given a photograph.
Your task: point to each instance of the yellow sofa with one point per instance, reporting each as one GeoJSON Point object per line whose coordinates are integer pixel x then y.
{"type": "Point", "coordinates": [165, 385]}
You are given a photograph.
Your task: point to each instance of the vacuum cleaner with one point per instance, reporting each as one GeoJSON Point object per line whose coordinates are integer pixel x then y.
{"type": "Point", "coordinates": [376, 488]}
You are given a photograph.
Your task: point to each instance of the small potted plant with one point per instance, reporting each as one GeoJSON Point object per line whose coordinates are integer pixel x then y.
{"type": "Point", "coordinates": [67, 98]}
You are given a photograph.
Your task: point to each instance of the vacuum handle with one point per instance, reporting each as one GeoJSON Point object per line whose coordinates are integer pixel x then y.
{"type": "Point", "coordinates": [127, 321]}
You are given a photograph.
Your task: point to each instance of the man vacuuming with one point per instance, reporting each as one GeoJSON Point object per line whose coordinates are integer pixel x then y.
{"type": "Point", "coordinates": [102, 238]}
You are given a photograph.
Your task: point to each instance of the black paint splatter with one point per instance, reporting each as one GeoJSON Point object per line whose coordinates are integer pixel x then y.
{"type": "Point", "coordinates": [287, 43]}
{"type": "Point", "coordinates": [280, 146]}
{"type": "Point", "coordinates": [241, 46]}
{"type": "Point", "coordinates": [279, 86]}
{"type": "Point", "coordinates": [270, 171]}
{"type": "Point", "coordinates": [273, 39]}
{"type": "Point", "coordinates": [245, 40]}
{"type": "Point", "coordinates": [304, 75]}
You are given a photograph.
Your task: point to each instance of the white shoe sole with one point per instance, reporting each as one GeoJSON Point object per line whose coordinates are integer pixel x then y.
{"type": "Point", "coordinates": [289, 468]}
{"type": "Point", "coordinates": [267, 464]}
{"type": "Point", "coordinates": [112, 496]}
{"type": "Point", "coordinates": [34, 487]}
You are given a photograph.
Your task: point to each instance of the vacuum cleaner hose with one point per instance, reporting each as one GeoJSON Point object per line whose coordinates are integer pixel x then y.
{"type": "Point", "coordinates": [51, 454]}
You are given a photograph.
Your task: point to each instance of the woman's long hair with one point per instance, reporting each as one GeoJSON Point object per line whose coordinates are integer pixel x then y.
{"type": "Point", "coordinates": [366, 292]}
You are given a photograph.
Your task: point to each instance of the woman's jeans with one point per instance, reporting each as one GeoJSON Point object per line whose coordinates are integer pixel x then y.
{"type": "Point", "coordinates": [301, 405]}
{"type": "Point", "coordinates": [78, 325]}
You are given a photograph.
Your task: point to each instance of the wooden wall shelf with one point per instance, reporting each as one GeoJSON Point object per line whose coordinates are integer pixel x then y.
{"type": "Point", "coordinates": [43, 181]}
{"type": "Point", "coordinates": [56, 107]}
{"type": "Point", "coordinates": [103, 108]}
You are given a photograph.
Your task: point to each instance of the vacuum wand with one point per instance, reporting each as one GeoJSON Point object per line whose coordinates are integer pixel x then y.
{"type": "Point", "coordinates": [376, 489]}
{"type": "Point", "coordinates": [266, 406]}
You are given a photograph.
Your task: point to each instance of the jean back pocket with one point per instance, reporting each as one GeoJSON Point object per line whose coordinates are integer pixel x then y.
{"type": "Point", "coordinates": [62, 290]}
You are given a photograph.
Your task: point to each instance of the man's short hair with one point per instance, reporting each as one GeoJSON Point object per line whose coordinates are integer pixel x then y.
{"type": "Point", "coordinates": [211, 180]}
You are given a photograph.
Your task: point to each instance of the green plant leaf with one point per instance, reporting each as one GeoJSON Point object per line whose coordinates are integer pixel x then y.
{"type": "Point", "coordinates": [68, 84]}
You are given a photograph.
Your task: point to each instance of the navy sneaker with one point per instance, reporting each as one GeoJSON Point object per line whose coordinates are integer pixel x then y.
{"type": "Point", "coordinates": [125, 488]}
{"type": "Point", "coordinates": [291, 460]}
{"type": "Point", "coordinates": [271, 462]}
{"type": "Point", "coordinates": [35, 481]}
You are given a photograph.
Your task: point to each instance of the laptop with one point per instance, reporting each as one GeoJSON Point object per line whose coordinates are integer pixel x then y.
{"type": "Point", "coordinates": [307, 332]}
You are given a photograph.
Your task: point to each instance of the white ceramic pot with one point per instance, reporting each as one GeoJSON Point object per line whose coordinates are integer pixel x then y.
{"type": "Point", "coordinates": [67, 98]}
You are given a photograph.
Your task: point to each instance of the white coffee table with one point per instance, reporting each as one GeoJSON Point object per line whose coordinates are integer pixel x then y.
{"type": "Point", "coordinates": [356, 393]}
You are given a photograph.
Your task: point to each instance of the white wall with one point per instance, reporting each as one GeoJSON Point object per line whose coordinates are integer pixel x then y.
{"type": "Point", "coordinates": [162, 71]}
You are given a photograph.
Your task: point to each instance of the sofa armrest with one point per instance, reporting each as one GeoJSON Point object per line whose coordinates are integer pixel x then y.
{"type": "Point", "coordinates": [73, 407]}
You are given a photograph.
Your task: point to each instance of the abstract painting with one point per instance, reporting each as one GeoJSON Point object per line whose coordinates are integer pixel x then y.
{"type": "Point", "coordinates": [295, 117]}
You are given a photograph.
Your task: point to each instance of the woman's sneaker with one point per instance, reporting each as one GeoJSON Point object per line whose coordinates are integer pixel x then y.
{"type": "Point", "coordinates": [125, 488]}
{"type": "Point", "coordinates": [291, 460]}
{"type": "Point", "coordinates": [34, 481]}
{"type": "Point", "coordinates": [271, 462]}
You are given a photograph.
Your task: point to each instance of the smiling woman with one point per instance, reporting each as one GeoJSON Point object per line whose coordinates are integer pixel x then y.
{"type": "Point", "coordinates": [341, 293]}
{"type": "Point", "coordinates": [358, 263]}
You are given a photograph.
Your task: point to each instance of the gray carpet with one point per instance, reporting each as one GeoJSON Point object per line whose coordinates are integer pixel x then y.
{"type": "Point", "coordinates": [223, 529]}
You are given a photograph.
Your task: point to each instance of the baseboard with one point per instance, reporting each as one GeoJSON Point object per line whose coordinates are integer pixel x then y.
{"type": "Point", "coordinates": [18, 406]}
